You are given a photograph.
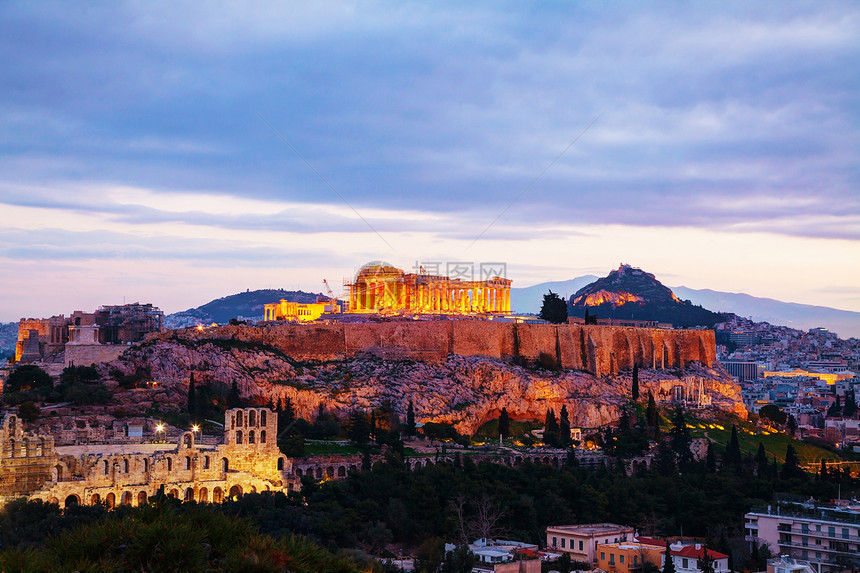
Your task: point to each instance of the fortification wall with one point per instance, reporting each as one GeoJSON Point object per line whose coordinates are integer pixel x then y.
{"type": "Point", "coordinates": [597, 349]}
{"type": "Point", "coordinates": [86, 354]}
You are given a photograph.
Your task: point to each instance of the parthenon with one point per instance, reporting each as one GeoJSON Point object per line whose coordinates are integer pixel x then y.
{"type": "Point", "coordinates": [382, 288]}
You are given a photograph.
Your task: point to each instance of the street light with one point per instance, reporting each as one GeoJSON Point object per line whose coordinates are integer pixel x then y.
{"type": "Point", "coordinates": [195, 428]}
{"type": "Point", "coordinates": [159, 428]}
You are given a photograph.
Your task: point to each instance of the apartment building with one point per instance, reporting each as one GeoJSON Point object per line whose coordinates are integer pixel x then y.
{"type": "Point", "coordinates": [828, 537]}
{"type": "Point", "coordinates": [580, 541]}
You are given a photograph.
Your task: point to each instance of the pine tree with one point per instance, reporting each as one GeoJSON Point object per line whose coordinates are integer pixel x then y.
{"type": "Point", "coordinates": [504, 424]}
{"type": "Point", "coordinates": [706, 563]}
{"type": "Point", "coordinates": [410, 420]}
{"type": "Point", "coordinates": [564, 426]}
{"type": "Point", "coordinates": [553, 309]}
{"type": "Point", "coordinates": [681, 439]}
{"type": "Point", "coordinates": [668, 564]}
{"type": "Point", "coordinates": [192, 396]}
{"type": "Point", "coordinates": [635, 388]}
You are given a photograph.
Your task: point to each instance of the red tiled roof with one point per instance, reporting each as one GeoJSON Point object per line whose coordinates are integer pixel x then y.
{"type": "Point", "coordinates": [691, 551]}
{"type": "Point", "coordinates": [651, 541]}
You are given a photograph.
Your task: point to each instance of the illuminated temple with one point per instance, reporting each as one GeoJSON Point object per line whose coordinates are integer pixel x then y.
{"type": "Point", "coordinates": [382, 288]}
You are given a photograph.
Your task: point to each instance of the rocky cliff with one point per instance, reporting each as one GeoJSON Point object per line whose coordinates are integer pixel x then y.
{"type": "Point", "coordinates": [461, 390]}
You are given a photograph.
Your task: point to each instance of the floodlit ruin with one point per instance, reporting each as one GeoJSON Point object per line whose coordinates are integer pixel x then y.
{"type": "Point", "coordinates": [246, 459]}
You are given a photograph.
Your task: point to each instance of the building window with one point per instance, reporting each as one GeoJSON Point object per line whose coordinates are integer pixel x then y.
{"type": "Point", "coordinates": [831, 531]}
{"type": "Point", "coordinates": [562, 542]}
{"type": "Point", "coordinates": [804, 528]}
{"type": "Point", "coordinates": [844, 533]}
{"type": "Point", "coordinates": [684, 563]}
{"type": "Point", "coordinates": [554, 541]}
{"type": "Point", "coordinates": [612, 559]}
{"type": "Point", "coordinates": [621, 559]}
{"type": "Point", "coordinates": [602, 556]}
{"type": "Point", "coordinates": [580, 544]}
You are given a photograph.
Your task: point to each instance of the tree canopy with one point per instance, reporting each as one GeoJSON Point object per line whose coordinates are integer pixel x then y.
{"type": "Point", "coordinates": [554, 308]}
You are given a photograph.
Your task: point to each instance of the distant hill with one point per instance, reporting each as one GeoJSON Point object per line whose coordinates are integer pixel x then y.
{"type": "Point", "coordinates": [845, 323]}
{"type": "Point", "coordinates": [8, 339]}
{"type": "Point", "coordinates": [628, 292]}
{"type": "Point", "coordinates": [243, 306]}
{"type": "Point", "coordinates": [528, 300]}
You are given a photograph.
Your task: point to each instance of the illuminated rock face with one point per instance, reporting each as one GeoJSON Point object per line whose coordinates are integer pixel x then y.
{"type": "Point", "coordinates": [382, 288]}
{"type": "Point", "coordinates": [247, 459]}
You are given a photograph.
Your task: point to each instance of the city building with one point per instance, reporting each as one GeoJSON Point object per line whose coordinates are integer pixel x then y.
{"type": "Point", "coordinates": [743, 370]}
{"type": "Point", "coordinates": [299, 312]}
{"type": "Point", "coordinates": [626, 556]}
{"type": "Point", "coordinates": [383, 288]}
{"type": "Point", "coordinates": [503, 556]}
{"type": "Point", "coordinates": [828, 537]}
{"type": "Point", "coordinates": [580, 541]}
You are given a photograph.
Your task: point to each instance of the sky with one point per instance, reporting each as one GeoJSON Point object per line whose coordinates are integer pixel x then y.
{"type": "Point", "coordinates": [173, 152]}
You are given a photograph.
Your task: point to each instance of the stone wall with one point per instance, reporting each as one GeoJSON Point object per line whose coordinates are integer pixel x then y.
{"type": "Point", "coordinates": [597, 349]}
{"type": "Point", "coordinates": [86, 354]}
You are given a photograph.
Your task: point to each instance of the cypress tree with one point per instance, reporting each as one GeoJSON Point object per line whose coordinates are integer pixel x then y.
{"type": "Point", "coordinates": [791, 425]}
{"type": "Point", "coordinates": [711, 459]}
{"type": "Point", "coordinates": [822, 471]}
{"type": "Point", "coordinates": [635, 388]}
{"type": "Point", "coordinates": [651, 412]}
{"type": "Point", "coordinates": [681, 439]}
{"type": "Point", "coordinates": [668, 564]}
{"type": "Point", "coordinates": [410, 420]}
{"type": "Point", "coordinates": [192, 396]}
{"type": "Point", "coordinates": [791, 467]}
{"type": "Point", "coordinates": [733, 449]}
{"type": "Point", "coordinates": [504, 424]}
{"type": "Point", "coordinates": [234, 400]}
{"type": "Point", "coordinates": [564, 426]}
{"type": "Point", "coordinates": [550, 432]}
{"type": "Point", "coordinates": [761, 461]}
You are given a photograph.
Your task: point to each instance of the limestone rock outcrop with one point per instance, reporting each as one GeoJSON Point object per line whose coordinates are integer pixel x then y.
{"type": "Point", "coordinates": [462, 390]}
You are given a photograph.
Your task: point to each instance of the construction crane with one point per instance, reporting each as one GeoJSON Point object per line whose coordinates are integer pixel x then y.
{"type": "Point", "coordinates": [331, 297]}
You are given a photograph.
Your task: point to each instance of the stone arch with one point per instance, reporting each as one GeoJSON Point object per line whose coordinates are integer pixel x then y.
{"type": "Point", "coordinates": [141, 498]}
{"type": "Point", "coordinates": [319, 473]}
{"type": "Point", "coordinates": [238, 436]}
{"type": "Point", "coordinates": [341, 471]}
{"type": "Point", "coordinates": [174, 493]}
{"type": "Point", "coordinates": [235, 492]}
{"type": "Point", "coordinates": [125, 465]}
{"type": "Point", "coordinates": [203, 495]}
{"type": "Point", "coordinates": [110, 500]}
{"type": "Point", "coordinates": [40, 447]}
{"type": "Point", "coordinates": [95, 499]}
{"type": "Point", "coordinates": [298, 472]}
{"type": "Point", "coordinates": [205, 462]}
{"type": "Point", "coordinates": [217, 495]}
{"type": "Point", "coordinates": [253, 489]}
{"type": "Point", "coordinates": [252, 418]}
{"type": "Point", "coordinates": [189, 494]}
{"type": "Point", "coordinates": [72, 499]}
{"type": "Point", "coordinates": [126, 498]}
{"type": "Point", "coordinates": [145, 465]}
{"type": "Point", "coordinates": [280, 464]}
{"type": "Point", "coordinates": [262, 436]}
{"type": "Point", "coordinates": [57, 472]}
{"type": "Point", "coordinates": [187, 462]}
{"type": "Point", "coordinates": [188, 440]}
{"type": "Point", "coordinates": [54, 500]}
{"type": "Point", "coordinates": [329, 472]}
{"type": "Point", "coordinates": [169, 464]}
{"type": "Point", "coordinates": [105, 467]}
{"type": "Point", "coordinates": [263, 421]}
{"type": "Point", "coordinates": [252, 437]}
{"type": "Point", "coordinates": [225, 465]}
{"type": "Point", "coordinates": [239, 420]}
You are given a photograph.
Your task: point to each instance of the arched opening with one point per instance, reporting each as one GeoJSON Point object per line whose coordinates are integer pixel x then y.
{"type": "Point", "coordinates": [341, 471]}
{"type": "Point", "coordinates": [187, 462]}
{"type": "Point", "coordinates": [252, 418]}
{"type": "Point", "coordinates": [187, 441]}
{"type": "Point", "coordinates": [145, 465]}
{"type": "Point", "coordinates": [12, 448]}
{"type": "Point", "coordinates": [141, 498]}
{"type": "Point", "coordinates": [280, 464]}
{"type": "Point", "coordinates": [58, 469]}
{"type": "Point", "coordinates": [205, 462]}
{"type": "Point", "coordinates": [262, 436]}
{"type": "Point", "coordinates": [217, 495]}
{"type": "Point", "coordinates": [319, 473]}
{"type": "Point", "coordinates": [72, 500]}
{"type": "Point", "coordinates": [239, 418]}
{"type": "Point", "coordinates": [110, 500]}
{"type": "Point", "coordinates": [95, 499]}
{"type": "Point", "coordinates": [251, 437]}
{"type": "Point", "coordinates": [105, 466]}
{"type": "Point", "coordinates": [40, 447]}
{"type": "Point", "coordinates": [174, 493]}
{"type": "Point", "coordinates": [125, 466]}
{"type": "Point", "coordinates": [189, 494]}
{"type": "Point", "coordinates": [238, 436]}
{"type": "Point", "coordinates": [253, 489]}
{"type": "Point", "coordinates": [126, 498]}
{"type": "Point", "coordinates": [262, 419]}
{"type": "Point", "coordinates": [203, 495]}
{"type": "Point", "coordinates": [235, 492]}
{"type": "Point", "coordinates": [170, 464]}
{"type": "Point", "coordinates": [225, 465]}
{"type": "Point", "coordinates": [54, 500]}
{"type": "Point", "coordinates": [298, 472]}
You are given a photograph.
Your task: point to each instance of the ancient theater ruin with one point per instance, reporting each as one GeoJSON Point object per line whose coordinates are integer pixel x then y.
{"type": "Point", "coordinates": [382, 288]}
{"type": "Point", "coordinates": [245, 459]}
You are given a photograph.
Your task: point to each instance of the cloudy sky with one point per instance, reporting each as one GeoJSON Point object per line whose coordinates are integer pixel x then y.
{"type": "Point", "coordinates": [177, 152]}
